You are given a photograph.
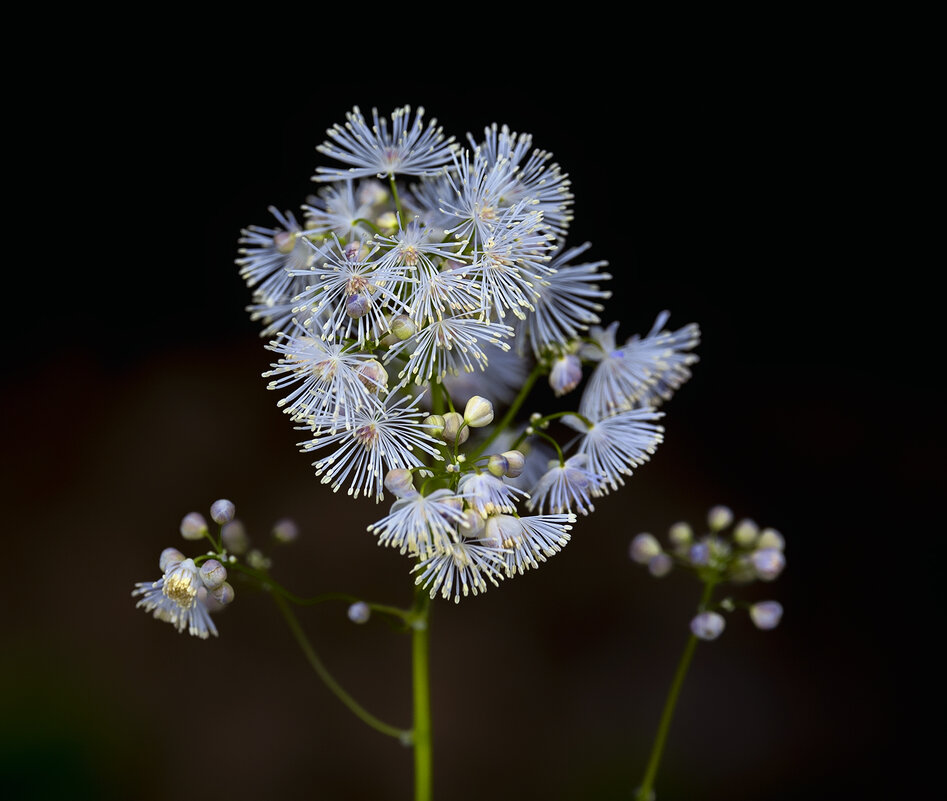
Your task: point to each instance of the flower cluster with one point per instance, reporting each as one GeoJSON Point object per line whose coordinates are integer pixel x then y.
{"type": "Point", "coordinates": [744, 555]}
{"type": "Point", "coordinates": [191, 589]}
{"type": "Point", "coordinates": [429, 275]}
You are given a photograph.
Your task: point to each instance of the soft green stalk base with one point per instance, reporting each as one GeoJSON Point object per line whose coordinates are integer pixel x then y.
{"type": "Point", "coordinates": [643, 793]}
{"type": "Point", "coordinates": [423, 757]}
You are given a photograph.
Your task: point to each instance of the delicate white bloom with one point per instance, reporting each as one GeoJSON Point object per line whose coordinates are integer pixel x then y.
{"type": "Point", "coordinates": [421, 525]}
{"type": "Point", "coordinates": [488, 494]}
{"type": "Point", "coordinates": [568, 301]}
{"type": "Point", "coordinates": [566, 487]}
{"type": "Point", "coordinates": [337, 210]}
{"type": "Point", "coordinates": [708, 625]}
{"type": "Point", "coordinates": [348, 272]}
{"type": "Point", "coordinates": [527, 539]}
{"type": "Point", "coordinates": [535, 178]}
{"type": "Point", "coordinates": [766, 614]}
{"type": "Point", "coordinates": [329, 376]}
{"type": "Point", "coordinates": [641, 372]}
{"type": "Point", "coordinates": [383, 436]}
{"type": "Point", "coordinates": [475, 195]}
{"type": "Point", "coordinates": [463, 568]}
{"type": "Point", "coordinates": [271, 253]}
{"type": "Point", "coordinates": [504, 373]}
{"type": "Point", "coordinates": [411, 247]}
{"type": "Point", "coordinates": [178, 598]}
{"type": "Point", "coordinates": [447, 291]}
{"type": "Point", "coordinates": [644, 547]}
{"type": "Point", "coordinates": [616, 444]}
{"type": "Point", "coordinates": [447, 347]}
{"type": "Point", "coordinates": [408, 149]}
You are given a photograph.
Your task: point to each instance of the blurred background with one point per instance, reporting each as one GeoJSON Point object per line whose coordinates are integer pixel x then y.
{"type": "Point", "coordinates": [731, 197]}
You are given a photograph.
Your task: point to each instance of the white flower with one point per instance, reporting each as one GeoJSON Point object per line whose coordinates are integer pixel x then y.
{"type": "Point", "coordinates": [179, 598]}
{"type": "Point", "coordinates": [527, 539]}
{"type": "Point", "coordinates": [463, 568]}
{"type": "Point", "coordinates": [617, 443]}
{"type": "Point", "coordinates": [271, 252]}
{"type": "Point", "coordinates": [409, 149]}
{"type": "Point", "coordinates": [421, 525]}
{"type": "Point", "coordinates": [567, 487]}
{"type": "Point", "coordinates": [476, 195]}
{"type": "Point", "coordinates": [383, 436]}
{"type": "Point", "coordinates": [336, 210]}
{"type": "Point", "coordinates": [488, 494]}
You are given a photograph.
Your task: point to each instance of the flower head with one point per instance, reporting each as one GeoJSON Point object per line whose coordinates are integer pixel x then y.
{"type": "Point", "coordinates": [179, 597]}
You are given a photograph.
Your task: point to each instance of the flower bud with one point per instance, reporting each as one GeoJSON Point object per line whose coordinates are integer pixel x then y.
{"type": "Point", "coordinates": [497, 465]}
{"type": "Point", "coordinates": [222, 511]}
{"type": "Point", "coordinates": [565, 375]}
{"type": "Point", "coordinates": [681, 535]}
{"type": "Point", "coordinates": [766, 614]}
{"type": "Point", "coordinates": [719, 517]}
{"type": "Point", "coordinates": [371, 192]}
{"type": "Point", "coordinates": [455, 428]}
{"type": "Point", "coordinates": [745, 533]}
{"type": "Point", "coordinates": [472, 525]}
{"type": "Point", "coordinates": [285, 530]}
{"type": "Point", "coordinates": [258, 560]}
{"type": "Point", "coordinates": [387, 221]}
{"type": "Point", "coordinates": [708, 625]}
{"type": "Point", "coordinates": [478, 412]}
{"type": "Point", "coordinates": [234, 536]}
{"type": "Point", "coordinates": [400, 482]}
{"type": "Point", "coordinates": [435, 425]}
{"type": "Point", "coordinates": [403, 327]}
{"type": "Point", "coordinates": [223, 594]}
{"type": "Point", "coordinates": [168, 557]}
{"type": "Point", "coordinates": [771, 538]}
{"type": "Point", "coordinates": [660, 565]}
{"type": "Point", "coordinates": [213, 574]}
{"type": "Point", "coordinates": [193, 526]}
{"type": "Point", "coordinates": [643, 548]}
{"type": "Point", "coordinates": [516, 461]}
{"type": "Point", "coordinates": [699, 554]}
{"type": "Point", "coordinates": [357, 305]}
{"type": "Point", "coordinates": [768, 563]}
{"type": "Point", "coordinates": [359, 612]}
{"type": "Point", "coordinates": [373, 376]}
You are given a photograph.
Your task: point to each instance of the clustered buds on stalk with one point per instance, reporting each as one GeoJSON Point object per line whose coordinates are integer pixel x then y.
{"type": "Point", "coordinates": [192, 588]}
{"type": "Point", "coordinates": [747, 555]}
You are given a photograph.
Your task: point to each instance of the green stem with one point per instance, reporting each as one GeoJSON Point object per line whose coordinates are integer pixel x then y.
{"type": "Point", "coordinates": [423, 762]}
{"type": "Point", "coordinates": [644, 791]}
{"type": "Point", "coordinates": [507, 418]}
{"type": "Point", "coordinates": [329, 681]}
{"type": "Point", "coordinates": [394, 196]}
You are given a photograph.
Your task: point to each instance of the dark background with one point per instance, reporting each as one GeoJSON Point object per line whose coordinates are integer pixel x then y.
{"type": "Point", "coordinates": [753, 201]}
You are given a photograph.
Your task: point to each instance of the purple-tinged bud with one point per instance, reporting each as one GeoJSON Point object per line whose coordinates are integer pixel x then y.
{"type": "Point", "coordinates": [771, 538]}
{"type": "Point", "coordinates": [660, 565]}
{"type": "Point", "coordinates": [400, 482]}
{"type": "Point", "coordinates": [373, 376]}
{"type": "Point", "coordinates": [478, 412]}
{"type": "Point", "coordinates": [766, 614]}
{"type": "Point", "coordinates": [352, 250]}
{"type": "Point", "coordinates": [455, 429]}
{"type": "Point", "coordinates": [708, 625]}
{"type": "Point", "coordinates": [193, 526]}
{"type": "Point", "coordinates": [222, 511]}
{"type": "Point", "coordinates": [285, 530]}
{"type": "Point", "coordinates": [643, 548]}
{"type": "Point", "coordinates": [223, 594]}
{"type": "Point", "coordinates": [497, 465]}
{"type": "Point", "coordinates": [213, 574]}
{"type": "Point", "coordinates": [516, 461]}
{"type": "Point", "coordinates": [745, 533]}
{"type": "Point", "coordinates": [169, 556]}
{"type": "Point", "coordinates": [719, 517]}
{"type": "Point", "coordinates": [359, 612]}
{"type": "Point", "coordinates": [234, 537]}
{"type": "Point", "coordinates": [699, 554]}
{"type": "Point", "coordinates": [357, 305]}
{"type": "Point", "coordinates": [768, 563]}
{"type": "Point", "coordinates": [565, 375]}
